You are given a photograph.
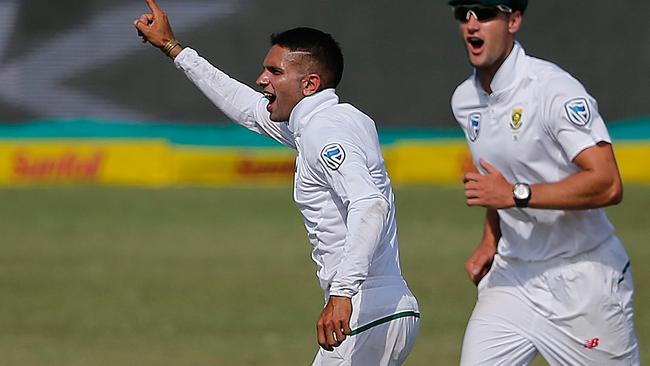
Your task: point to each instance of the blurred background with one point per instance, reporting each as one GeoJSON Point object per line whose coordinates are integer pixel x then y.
{"type": "Point", "coordinates": [82, 59]}
{"type": "Point", "coordinates": [139, 226]}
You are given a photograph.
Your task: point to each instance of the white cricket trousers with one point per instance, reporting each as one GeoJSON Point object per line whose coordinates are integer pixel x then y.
{"type": "Point", "coordinates": [572, 311]}
{"type": "Point", "coordinates": [387, 344]}
{"type": "Point", "coordinates": [385, 323]}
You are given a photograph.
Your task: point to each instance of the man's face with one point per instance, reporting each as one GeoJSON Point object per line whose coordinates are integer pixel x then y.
{"type": "Point", "coordinates": [282, 82]}
{"type": "Point", "coordinates": [488, 42]}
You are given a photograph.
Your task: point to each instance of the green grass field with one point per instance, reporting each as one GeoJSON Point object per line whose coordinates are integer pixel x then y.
{"type": "Point", "coordinates": [98, 276]}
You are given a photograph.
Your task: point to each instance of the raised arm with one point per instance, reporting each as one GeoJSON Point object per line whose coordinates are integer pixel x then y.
{"type": "Point", "coordinates": [239, 102]}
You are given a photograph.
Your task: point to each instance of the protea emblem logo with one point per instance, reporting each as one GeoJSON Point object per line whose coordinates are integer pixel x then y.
{"type": "Point", "coordinates": [515, 121]}
{"type": "Point", "coordinates": [473, 126]}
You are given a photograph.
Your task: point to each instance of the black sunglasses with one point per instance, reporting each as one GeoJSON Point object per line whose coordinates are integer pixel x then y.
{"type": "Point", "coordinates": [481, 13]}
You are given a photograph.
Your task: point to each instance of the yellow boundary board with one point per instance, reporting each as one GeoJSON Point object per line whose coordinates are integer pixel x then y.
{"type": "Point", "coordinates": [157, 163]}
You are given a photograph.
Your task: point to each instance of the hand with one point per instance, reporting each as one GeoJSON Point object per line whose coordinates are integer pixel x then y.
{"type": "Point", "coordinates": [334, 322]}
{"type": "Point", "coordinates": [489, 190]}
{"type": "Point", "coordinates": [154, 27]}
{"type": "Point", "coordinates": [479, 264]}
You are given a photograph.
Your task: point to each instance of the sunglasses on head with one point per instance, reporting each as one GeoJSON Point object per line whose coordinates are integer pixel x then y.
{"type": "Point", "coordinates": [462, 13]}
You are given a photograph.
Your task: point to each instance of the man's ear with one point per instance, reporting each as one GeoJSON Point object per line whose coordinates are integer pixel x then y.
{"type": "Point", "coordinates": [311, 83]}
{"type": "Point", "coordinates": [514, 22]}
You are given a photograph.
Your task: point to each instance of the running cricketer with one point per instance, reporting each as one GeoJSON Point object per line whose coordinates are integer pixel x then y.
{"type": "Point", "coordinates": [552, 276]}
{"type": "Point", "coordinates": [341, 186]}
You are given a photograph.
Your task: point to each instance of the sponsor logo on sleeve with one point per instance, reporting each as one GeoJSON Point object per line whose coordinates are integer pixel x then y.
{"type": "Point", "coordinates": [577, 111]}
{"type": "Point", "coordinates": [333, 155]}
{"type": "Point", "coordinates": [473, 126]}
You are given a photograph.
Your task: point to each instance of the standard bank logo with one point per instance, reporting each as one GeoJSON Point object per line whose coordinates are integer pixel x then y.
{"type": "Point", "coordinates": [473, 126]}
{"type": "Point", "coordinates": [577, 111]}
{"type": "Point", "coordinates": [333, 155]}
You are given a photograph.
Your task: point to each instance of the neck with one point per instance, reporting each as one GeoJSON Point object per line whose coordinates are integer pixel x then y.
{"type": "Point", "coordinates": [486, 74]}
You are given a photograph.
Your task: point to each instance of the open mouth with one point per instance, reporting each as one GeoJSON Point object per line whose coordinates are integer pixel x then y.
{"type": "Point", "coordinates": [269, 96]}
{"type": "Point", "coordinates": [475, 43]}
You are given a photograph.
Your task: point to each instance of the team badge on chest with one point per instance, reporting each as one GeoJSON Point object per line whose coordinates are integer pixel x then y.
{"type": "Point", "coordinates": [515, 119]}
{"type": "Point", "coordinates": [473, 126]}
{"type": "Point", "coordinates": [333, 155]}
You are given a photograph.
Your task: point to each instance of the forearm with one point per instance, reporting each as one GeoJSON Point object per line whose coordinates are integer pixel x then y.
{"type": "Point", "coordinates": [366, 220]}
{"type": "Point", "coordinates": [480, 262]}
{"type": "Point", "coordinates": [579, 191]}
{"type": "Point", "coordinates": [491, 229]}
{"type": "Point", "coordinates": [237, 100]}
{"type": "Point", "coordinates": [570, 195]}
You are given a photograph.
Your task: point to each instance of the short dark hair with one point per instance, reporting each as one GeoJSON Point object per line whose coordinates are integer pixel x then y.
{"type": "Point", "coordinates": [512, 4]}
{"type": "Point", "coordinates": [321, 46]}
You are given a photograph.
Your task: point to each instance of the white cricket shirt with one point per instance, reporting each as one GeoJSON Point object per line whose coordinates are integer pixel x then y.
{"type": "Point", "coordinates": [341, 186]}
{"type": "Point", "coordinates": [536, 121]}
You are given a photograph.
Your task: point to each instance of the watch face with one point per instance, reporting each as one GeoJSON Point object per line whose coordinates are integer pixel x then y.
{"type": "Point", "coordinates": [521, 191]}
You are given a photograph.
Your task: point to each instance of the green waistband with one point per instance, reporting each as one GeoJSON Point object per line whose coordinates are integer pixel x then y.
{"type": "Point", "coordinates": [627, 265]}
{"type": "Point", "coordinates": [384, 320]}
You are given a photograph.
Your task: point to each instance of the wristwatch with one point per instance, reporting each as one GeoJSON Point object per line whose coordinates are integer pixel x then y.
{"type": "Point", "coordinates": [521, 193]}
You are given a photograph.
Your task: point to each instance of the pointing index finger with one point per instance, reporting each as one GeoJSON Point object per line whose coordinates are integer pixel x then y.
{"type": "Point", "coordinates": [154, 8]}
